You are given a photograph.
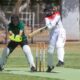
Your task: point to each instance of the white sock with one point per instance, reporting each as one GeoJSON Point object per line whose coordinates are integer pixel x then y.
{"type": "Point", "coordinates": [60, 53]}
{"type": "Point", "coordinates": [28, 54]}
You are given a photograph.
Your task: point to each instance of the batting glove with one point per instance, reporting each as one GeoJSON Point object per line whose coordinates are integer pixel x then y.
{"type": "Point", "coordinates": [11, 37]}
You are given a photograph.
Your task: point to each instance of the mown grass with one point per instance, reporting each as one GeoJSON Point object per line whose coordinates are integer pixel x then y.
{"type": "Point", "coordinates": [4, 76]}
{"type": "Point", "coordinates": [72, 55]}
{"type": "Point", "coordinates": [17, 59]}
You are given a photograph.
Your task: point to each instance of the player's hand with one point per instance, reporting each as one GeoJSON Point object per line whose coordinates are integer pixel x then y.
{"type": "Point", "coordinates": [18, 38]}
{"type": "Point", "coordinates": [11, 37]}
{"type": "Point", "coordinates": [29, 36]}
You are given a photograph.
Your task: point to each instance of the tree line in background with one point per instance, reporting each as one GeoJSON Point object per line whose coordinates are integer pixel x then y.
{"type": "Point", "coordinates": [16, 6]}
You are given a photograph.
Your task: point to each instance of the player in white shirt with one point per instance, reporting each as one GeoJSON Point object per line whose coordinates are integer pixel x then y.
{"type": "Point", "coordinates": [57, 36]}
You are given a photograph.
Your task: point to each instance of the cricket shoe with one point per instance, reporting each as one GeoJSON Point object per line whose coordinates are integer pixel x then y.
{"type": "Point", "coordinates": [60, 63]}
{"type": "Point", "coordinates": [33, 69]}
{"type": "Point", "coordinates": [1, 68]}
{"type": "Point", "coordinates": [50, 69]}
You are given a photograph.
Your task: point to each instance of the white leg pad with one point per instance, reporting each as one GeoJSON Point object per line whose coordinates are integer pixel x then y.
{"type": "Point", "coordinates": [28, 54]}
{"type": "Point", "coordinates": [50, 55]}
{"type": "Point", "coordinates": [4, 56]}
{"type": "Point", "coordinates": [60, 53]}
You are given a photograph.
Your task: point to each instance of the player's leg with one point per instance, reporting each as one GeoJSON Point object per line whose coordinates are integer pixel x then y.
{"type": "Point", "coordinates": [28, 54]}
{"type": "Point", "coordinates": [51, 48]}
{"type": "Point", "coordinates": [60, 47]}
{"type": "Point", "coordinates": [60, 53]}
{"type": "Point", "coordinates": [50, 58]}
{"type": "Point", "coordinates": [3, 58]}
{"type": "Point", "coordinates": [6, 52]}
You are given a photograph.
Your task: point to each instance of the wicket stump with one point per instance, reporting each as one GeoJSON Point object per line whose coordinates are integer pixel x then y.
{"type": "Point", "coordinates": [40, 56]}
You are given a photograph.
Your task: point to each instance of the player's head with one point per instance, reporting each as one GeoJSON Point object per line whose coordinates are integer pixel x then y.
{"type": "Point", "coordinates": [48, 10]}
{"type": "Point", "coordinates": [55, 7]}
{"type": "Point", "coordinates": [15, 19]}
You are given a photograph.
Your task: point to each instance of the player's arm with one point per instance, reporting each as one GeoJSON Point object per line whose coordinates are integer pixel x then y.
{"type": "Point", "coordinates": [10, 30]}
{"type": "Point", "coordinates": [56, 20]}
{"type": "Point", "coordinates": [20, 32]}
{"type": "Point", "coordinates": [10, 33]}
{"type": "Point", "coordinates": [47, 22]}
{"type": "Point", "coordinates": [18, 37]}
{"type": "Point", "coordinates": [21, 28]}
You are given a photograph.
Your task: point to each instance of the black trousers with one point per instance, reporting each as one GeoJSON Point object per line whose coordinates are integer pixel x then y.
{"type": "Point", "coordinates": [12, 45]}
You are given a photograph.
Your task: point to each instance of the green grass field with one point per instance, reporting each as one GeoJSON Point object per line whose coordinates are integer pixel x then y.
{"type": "Point", "coordinates": [17, 67]}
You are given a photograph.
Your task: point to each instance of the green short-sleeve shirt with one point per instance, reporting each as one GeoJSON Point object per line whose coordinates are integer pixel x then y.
{"type": "Point", "coordinates": [16, 29]}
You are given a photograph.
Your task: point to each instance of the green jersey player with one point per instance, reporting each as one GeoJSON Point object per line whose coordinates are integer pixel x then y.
{"type": "Point", "coordinates": [16, 29]}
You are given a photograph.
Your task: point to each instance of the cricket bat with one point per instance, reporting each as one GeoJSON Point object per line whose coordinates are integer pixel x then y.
{"type": "Point", "coordinates": [36, 31]}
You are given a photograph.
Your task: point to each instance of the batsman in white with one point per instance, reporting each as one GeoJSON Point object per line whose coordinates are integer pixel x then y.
{"type": "Point", "coordinates": [57, 35]}
{"type": "Point", "coordinates": [16, 28]}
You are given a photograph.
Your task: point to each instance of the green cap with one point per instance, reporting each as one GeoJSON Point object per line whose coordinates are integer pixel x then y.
{"type": "Point", "coordinates": [53, 4]}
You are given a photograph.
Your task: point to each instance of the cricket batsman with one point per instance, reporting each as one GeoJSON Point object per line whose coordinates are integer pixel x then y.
{"type": "Point", "coordinates": [17, 37]}
{"type": "Point", "coordinates": [57, 36]}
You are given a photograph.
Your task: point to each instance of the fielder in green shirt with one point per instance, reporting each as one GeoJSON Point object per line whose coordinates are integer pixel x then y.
{"type": "Point", "coordinates": [17, 37]}
{"type": "Point", "coordinates": [18, 30]}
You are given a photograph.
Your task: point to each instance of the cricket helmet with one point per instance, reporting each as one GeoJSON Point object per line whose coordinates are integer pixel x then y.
{"type": "Point", "coordinates": [15, 19]}
{"type": "Point", "coordinates": [48, 10]}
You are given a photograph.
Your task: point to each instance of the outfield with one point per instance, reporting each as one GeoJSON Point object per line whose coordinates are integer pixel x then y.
{"type": "Point", "coordinates": [17, 67]}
